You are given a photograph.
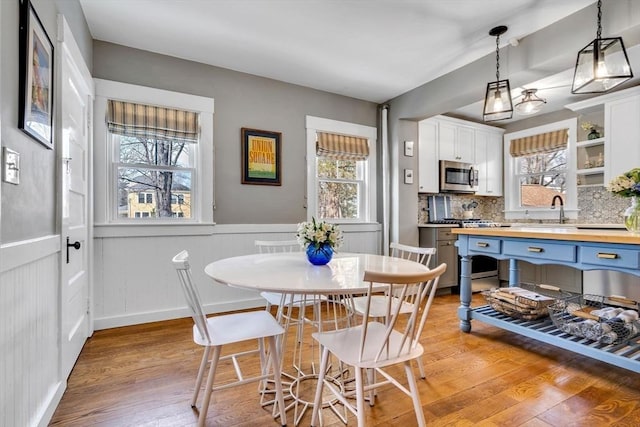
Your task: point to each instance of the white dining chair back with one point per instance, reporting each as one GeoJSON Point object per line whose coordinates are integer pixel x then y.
{"type": "Point", "coordinates": [414, 253]}
{"type": "Point", "coordinates": [373, 346]}
{"type": "Point", "coordinates": [276, 298]}
{"type": "Point", "coordinates": [181, 264]}
{"type": "Point", "coordinates": [405, 302]}
{"type": "Point", "coordinates": [214, 332]}
{"type": "Point", "coordinates": [274, 246]}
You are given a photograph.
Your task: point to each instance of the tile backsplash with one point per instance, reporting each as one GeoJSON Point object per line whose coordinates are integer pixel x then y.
{"type": "Point", "coordinates": [596, 204]}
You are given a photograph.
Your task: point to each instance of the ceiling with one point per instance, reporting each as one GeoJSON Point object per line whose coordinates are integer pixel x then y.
{"type": "Point", "coordinates": [372, 50]}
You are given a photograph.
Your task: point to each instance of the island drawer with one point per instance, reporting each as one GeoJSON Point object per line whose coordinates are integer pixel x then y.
{"type": "Point", "coordinates": [541, 250]}
{"type": "Point", "coordinates": [608, 257]}
{"type": "Point", "coordinates": [484, 245]}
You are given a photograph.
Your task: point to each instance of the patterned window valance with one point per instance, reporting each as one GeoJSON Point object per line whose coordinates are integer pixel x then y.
{"type": "Point", "coordinates": [540, 143]}
{"type": "Point", "coordinates": [341, 147]}
{"type": "Point", "coordinates": [130, 119]}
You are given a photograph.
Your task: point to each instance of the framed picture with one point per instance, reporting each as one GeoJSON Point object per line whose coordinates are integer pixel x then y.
{"type": "Point", "coordinates": [35, 117]}
{"type": "Point", "coordinates": [261, 157]}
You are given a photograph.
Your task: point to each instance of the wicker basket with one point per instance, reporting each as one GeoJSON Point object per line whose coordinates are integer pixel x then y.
{"type": "Point", "coordinates": [528, 301]}
{"type": "Point", "coordinates": [596, 318]}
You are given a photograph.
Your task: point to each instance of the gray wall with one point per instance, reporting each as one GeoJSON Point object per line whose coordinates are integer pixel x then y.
{"type": "Point", "coordinates": [548, 51]}
{"type": "Point", "coordinates": [29, 209]}
{"type": "Point", "coordinates": [241, 100]}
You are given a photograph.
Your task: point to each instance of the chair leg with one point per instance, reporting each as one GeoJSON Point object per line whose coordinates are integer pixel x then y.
{"type": "Point", "coordinates": [207, 393]}
{"type": "Point", "coordinates": [415, 394]}
{"type": "Point", "coordinates": [317, 401]}
{"type": "Point", "coordinates": [421, 368]}
{"type": "Point", "coordinates": [360, 397]}
{"type": "Point", "coordinates": [203, 366]}
{"type": "Point", "coordinates": [275, 361]}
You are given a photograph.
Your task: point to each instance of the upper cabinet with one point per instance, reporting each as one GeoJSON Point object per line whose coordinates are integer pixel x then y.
{"type": "Point", "coordinates": [446, 138]}
{"type": "Point", "coordinates": [428, 179]}
{"type": "Point", "coordinates": [488, 155]}
{"type": "Point", "coordinates": [617, 151]}
{"type": "Point", "coordinates": [456, 142]}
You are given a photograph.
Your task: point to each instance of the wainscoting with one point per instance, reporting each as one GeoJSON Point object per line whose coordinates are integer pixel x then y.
{"type": "Point", "coordinates": [29, 325]}
{"type": "Point", "coordinates": [134, 281]}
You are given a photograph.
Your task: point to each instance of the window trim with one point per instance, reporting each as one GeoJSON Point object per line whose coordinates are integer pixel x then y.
{"type": "Point", "coordinates": [511, 204]}
{"type": "Point", "coordinates": [318, 124]}
{"type": "Point", "coordinates": [105, 193]}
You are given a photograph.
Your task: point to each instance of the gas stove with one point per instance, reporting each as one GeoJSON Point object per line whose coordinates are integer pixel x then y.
{"type": "Point", "coordinates": [467, 222]}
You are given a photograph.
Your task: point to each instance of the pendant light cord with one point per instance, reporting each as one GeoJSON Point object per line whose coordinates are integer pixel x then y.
{"type": "Point", "coordinates": [599, 19]}
{"type": "Point", "coordinates": [498, 58]}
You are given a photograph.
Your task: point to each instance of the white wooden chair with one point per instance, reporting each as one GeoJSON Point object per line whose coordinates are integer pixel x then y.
{"type": "Point", "coordinates": [377, 309]}
{"type": "Point", "coordinates": [214, 332]}
{"type": "Point", "coordinates": [275, 298]}
{"type": "Point", "coordinates": [373, 346]}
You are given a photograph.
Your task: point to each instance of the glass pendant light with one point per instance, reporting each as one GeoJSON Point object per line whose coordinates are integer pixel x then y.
{"type": "Point", "coordinates": [530, 103]}
{"type": "Point", "coordinates": [602, 64]}
{"type": "Point", "coordinates": [497, 101]}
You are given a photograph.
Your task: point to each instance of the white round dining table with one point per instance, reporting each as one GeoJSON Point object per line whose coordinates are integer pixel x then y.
{"type": "Point", "coordinates": [293, 273]}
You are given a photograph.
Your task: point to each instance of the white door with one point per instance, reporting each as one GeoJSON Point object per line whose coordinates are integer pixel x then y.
{"type": "Point", "coordinates": [74, 136]}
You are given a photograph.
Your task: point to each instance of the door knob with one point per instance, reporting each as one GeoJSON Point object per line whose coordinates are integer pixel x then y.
{"type": "Point", "coordinates": [75, 245]}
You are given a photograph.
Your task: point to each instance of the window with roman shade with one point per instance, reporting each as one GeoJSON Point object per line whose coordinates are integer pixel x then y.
{"type": "Point", "coordinates": [341, 160]}
{"type": "Point", "coordinates": [541, 166]}
{"type": "Point", "coordinates": [156, 149]}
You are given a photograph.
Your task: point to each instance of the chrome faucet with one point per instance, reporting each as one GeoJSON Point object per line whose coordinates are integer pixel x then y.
{"type": "Point", "coordinates": [553, 206]}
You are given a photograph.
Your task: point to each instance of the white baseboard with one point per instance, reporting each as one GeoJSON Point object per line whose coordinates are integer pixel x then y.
{"type": "Point", "coordinates": [51, 405]}
{"type": "Point", "coordinates": [158, 316]}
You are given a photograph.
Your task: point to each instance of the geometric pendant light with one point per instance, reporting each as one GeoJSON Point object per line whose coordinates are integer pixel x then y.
{"type": "Point", "coordinates": [602, 64]}
{"type": "Point", "coordinates": [497, 100]}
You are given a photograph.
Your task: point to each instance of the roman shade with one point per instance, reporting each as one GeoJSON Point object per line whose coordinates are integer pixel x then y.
{"type": "Point", "coordinates": [341, 147]}
{"type": "Point", "coordinates": [130, 119]}
{"type": "Point", "coordinates": [539, 144]}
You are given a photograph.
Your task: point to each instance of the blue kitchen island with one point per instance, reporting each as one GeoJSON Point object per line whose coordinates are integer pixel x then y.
{"type": "Point", "coordinates": [585, 249]}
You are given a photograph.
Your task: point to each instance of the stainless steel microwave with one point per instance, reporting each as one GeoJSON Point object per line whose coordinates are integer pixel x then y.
{"type": "Point", "coordinates": [457, 177]}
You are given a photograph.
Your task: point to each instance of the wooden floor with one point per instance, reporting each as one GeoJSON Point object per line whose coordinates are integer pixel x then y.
{"type": "Point", "coordinates": [143, 376]}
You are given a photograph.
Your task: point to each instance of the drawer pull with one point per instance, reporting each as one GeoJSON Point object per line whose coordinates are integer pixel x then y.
{"type": "Point", "coordinates": [534, 249]}
{"type": "Point", "coordinates": [605, 255]}
{"type": "Point", "coordinates": [482, 244]}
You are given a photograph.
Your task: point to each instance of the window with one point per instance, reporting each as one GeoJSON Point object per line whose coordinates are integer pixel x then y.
{"type": "Point", "coordinates": [158, 153]}
{"type": "Point", "coordinates": [155, 153]}
{"type": "Point", "coordinates": [538, 167]}
{"type": "Point", "coordinates": [341, 165]}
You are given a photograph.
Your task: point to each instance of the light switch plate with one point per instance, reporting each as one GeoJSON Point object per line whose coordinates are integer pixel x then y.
{"type": "Point", "coordinates": [408, 176]}
{"type": "Point", "coordinates": [408, 148]}
{"type": "Point", "coordinates": [10, 166]}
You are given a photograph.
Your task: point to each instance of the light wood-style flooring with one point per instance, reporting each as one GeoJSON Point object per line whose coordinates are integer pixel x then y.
{"type": "Point", "coordinates": [143, 376]}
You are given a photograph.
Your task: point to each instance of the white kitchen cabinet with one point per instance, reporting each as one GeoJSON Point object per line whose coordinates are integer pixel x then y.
{"type": "Point", "coordinates": [622, 131]}
{"type": "Point", "coordinates": [428, 178]}
{"type": "Point", "coordinates": [488, 160]}
{"type": "Point", "coordinates": [619, 145]}
{"type": "Point", "coordinates": [456, 142]}
{"type": "Point", "coordinates": [446, 138]}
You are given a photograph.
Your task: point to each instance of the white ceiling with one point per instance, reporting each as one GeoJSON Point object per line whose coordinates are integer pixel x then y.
{"type": "Point", "coordinates": [373, 50]}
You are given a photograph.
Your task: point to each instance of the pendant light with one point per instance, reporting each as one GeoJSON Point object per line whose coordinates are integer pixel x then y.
{"type": "Point", "coordinates": [497, 101]}
{"type": "Point", "coordinates": [602, 64]}
{"type": "Point", "coordinates": [530, 103]}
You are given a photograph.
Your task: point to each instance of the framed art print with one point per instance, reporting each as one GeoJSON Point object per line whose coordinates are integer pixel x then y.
{"type": "Point", "coordinates": [261, 157]}
{"type": "Point", "coordinates": [35, 117]}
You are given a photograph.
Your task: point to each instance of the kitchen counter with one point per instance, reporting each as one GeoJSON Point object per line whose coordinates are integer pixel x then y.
{"type": "Point", "coordinates": [584, 249]}
{"type": "Point", "coordinates": [559, 232]}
